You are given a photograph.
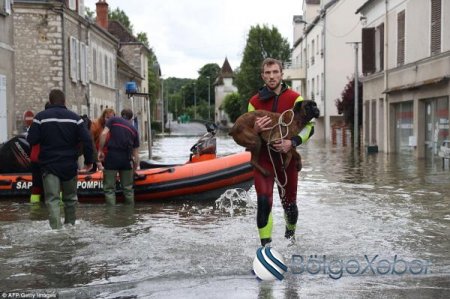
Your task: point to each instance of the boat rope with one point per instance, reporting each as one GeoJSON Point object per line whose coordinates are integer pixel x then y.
{"type": "Point", "coordinates": [281, 124]}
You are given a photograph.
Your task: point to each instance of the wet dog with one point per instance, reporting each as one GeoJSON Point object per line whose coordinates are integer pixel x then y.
{"type": "Point", "coordinates": [292, 122]}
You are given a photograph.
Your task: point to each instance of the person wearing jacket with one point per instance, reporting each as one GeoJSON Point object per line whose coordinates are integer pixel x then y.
{"type": "Point", "coordinates": [37, 191]}
{"type": "Point", "coordinates": [276, 96]}
{"type": "Point", "coordinates": [96, 130]}
{"type": "Point", "coordinates": [122, 156]}
{"type": "Point", "coordinates": [58, 131]}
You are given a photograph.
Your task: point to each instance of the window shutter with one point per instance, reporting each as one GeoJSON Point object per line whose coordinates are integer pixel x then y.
{"type": "Point", "coordinates": [381, 31]}
{"type": "Point", "coordinates": [73, 58]}
{"type": "Point", "coordinates": [73, 4]}
{"type": "Point", "coordinates": [368, 50]}
{"type": "Point", "coordinates": [436, 26]}
{"type": "Point", "coordinates": [401, 38]}
{"type": "Point", "coordinates": [83, 64]}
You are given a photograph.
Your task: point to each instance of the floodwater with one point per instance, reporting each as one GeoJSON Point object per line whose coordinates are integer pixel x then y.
{"type": "Point", "coordinates": [370, 226]}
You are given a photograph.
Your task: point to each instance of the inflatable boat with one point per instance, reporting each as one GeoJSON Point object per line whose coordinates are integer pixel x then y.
{"type": "Point", "coordinates": [203, 176]}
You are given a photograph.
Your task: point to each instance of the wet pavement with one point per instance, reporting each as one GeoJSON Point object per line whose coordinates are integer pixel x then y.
{"type": "Point", "coordinates": [370, 226]}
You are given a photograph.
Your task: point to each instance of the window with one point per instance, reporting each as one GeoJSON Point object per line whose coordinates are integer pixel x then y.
{"type": "Point", "coordinates": [74, 59]}
{"type": "Point", "coordinates": [72, 4]}
{"type": "Point", "coordinates": [401, 38]}
{"type": "Point", "coordinates": [81, 7]}
{"type": "Point", "coordinates": [435, 46]}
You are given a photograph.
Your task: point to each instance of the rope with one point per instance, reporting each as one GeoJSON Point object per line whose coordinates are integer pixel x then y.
{"type": "Point", "coordinates": [280, 125]}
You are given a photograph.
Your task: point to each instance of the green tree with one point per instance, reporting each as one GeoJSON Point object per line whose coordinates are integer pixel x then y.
{"type": "Point", "coordinates": [232, 106]}
{"type": "Point", "coordinates": [120, 16]}
{"type": "Point", "coordinates": [262, 42]}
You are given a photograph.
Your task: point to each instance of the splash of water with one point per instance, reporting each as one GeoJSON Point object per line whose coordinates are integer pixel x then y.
{"type": "Point", "coordinates": [233, 201]}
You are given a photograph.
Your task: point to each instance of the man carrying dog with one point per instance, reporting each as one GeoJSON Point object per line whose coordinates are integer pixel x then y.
{"type": "Point", "coordinates": [276, 96]}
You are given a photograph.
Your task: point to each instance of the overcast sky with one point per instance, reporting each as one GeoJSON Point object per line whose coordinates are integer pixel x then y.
{"type": "Point", "coordinates": [187, 34]}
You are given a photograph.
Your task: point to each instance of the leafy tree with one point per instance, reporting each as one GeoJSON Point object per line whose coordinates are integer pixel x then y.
{"type": "Point", "coordinates": [345, 105]}
{"type": "Point", "coordinates": [120, 16]}
{"type": "Point", "coordinates": [142, 37]}
{"type": "Point", "coordinates": [232, 106]}
{"type": "Point", "coordinates": [262, 42]}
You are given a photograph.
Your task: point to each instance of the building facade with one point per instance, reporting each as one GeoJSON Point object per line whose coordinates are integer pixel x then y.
{"type": "Point", "coordinates": [323, 57]}
{"type": "Point", "coordinates": [406, 66]}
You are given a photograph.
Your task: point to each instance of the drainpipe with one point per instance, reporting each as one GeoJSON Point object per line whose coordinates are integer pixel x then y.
{"type": "Point", "coordinates": [387, 130]}
{"type": "Point", "coordinates": [324, 80]}
{"type": "Point", "coordinates": [60, 10]}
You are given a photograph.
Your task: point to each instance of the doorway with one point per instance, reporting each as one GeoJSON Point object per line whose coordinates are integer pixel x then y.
{"type": "Point", "coordinates": [436, 125]}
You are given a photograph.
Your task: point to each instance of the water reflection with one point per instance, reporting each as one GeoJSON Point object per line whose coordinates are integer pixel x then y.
{"type": "Point", "coordinates": [349, 205]}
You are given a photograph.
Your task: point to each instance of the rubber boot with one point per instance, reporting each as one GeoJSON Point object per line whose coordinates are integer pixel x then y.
{"type": "Point", "coordinates": [54, 213]}
{"type": "Point", "coordinates": [35, 198]}
{"type": "Point", "coordinates": [69, 215]}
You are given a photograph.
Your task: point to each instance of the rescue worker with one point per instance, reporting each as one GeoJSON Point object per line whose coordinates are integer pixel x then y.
{"type": "Point", "coordinates": [276, 96]}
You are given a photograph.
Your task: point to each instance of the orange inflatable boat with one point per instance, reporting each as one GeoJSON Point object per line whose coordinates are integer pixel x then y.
{"type": "Point", "coordinates": [204, 176]}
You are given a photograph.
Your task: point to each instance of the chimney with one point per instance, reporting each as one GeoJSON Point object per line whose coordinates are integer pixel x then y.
{"type": "Point", "coordinates": [102, 14]}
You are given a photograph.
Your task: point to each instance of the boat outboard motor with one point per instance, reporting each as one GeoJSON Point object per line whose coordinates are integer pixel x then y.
{"type": "Point", "coordinates": [15, 155]}
{"type": "Point", "coordinates": [205, 148]}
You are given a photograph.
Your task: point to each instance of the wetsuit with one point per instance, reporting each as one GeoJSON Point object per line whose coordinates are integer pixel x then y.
{"type": "Point", "coordinates": [266, 99]}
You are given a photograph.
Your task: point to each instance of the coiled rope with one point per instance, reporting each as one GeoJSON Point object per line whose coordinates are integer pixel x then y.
{"type": "Point", "coordinates": [280, 125]}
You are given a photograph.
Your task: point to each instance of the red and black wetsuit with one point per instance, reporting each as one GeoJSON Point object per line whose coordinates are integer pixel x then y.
{"type": "Point", "coordinates": [266, 99]}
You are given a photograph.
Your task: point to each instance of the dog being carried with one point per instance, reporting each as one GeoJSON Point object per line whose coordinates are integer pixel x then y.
{"type": "Point", "coordinates": [283, 126]}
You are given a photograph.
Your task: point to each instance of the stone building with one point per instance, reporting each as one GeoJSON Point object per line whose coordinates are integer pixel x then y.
{"type": "Point", "coordinates": [135, 55]}
{"type": "Point", "coordinates": [7, 78]}
{"type": "Point", "coordinates": [51, 51]}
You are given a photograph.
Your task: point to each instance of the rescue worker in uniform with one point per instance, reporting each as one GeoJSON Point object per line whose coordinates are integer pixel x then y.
{"type": "Point", "coordinates": [276, 96]}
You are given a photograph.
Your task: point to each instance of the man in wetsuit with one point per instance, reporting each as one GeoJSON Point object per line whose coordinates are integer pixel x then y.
{"type": "Point", "coordinates": [276, 96]}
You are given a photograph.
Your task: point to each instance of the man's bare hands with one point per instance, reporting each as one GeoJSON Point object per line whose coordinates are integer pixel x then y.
{"type": "Point", "coordinates": [262, 124]}
{"type": "Point", "coordinates": [283, 145]}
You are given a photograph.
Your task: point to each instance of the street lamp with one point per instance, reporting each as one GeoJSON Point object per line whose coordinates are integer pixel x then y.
{"type": "Point", "coordinates": [209, 99]}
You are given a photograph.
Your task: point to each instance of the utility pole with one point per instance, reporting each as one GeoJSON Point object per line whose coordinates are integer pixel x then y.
{"type": "Point", "coordinates": [356, 101]}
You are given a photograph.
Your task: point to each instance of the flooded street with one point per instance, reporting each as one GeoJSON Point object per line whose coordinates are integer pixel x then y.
{"type": "Point", "coordinates": [372, 226]}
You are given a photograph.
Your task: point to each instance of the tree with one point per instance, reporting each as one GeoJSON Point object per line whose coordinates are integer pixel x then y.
{"type": "Point", "coordinates": [262, 42]}
{"type": "Point", "coordinates": [120, 16]}
{"type": "Point", "coordinates": [345, 105]}
{"type": "Point", "coordinates": [232, 106]}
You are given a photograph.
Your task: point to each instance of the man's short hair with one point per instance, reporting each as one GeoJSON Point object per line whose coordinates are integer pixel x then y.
{"type": "Point", "coordinates": [57, 97]}
{"type": "Point", "coordinates": [271, 61]}
{"type": "Point", "coordinates": [127, 113]}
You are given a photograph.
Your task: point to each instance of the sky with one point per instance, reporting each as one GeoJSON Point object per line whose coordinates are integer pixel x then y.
{"type": "Point", "coordinates": [186, 35]}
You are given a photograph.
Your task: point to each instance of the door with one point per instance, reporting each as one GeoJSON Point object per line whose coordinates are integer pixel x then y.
{"type": "Point", "coordinates": [436, 125]}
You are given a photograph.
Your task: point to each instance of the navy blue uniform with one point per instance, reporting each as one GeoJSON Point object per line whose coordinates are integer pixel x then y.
{"type": "Point", "coordinates": [59, 132]}
{"type": "Point", "coordinates": [123, 139]}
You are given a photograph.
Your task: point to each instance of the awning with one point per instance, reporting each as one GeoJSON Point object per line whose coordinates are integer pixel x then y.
{"type": "Point", "coordinates": [418, 84]}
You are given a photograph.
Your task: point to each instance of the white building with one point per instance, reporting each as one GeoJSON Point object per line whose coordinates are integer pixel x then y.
{"type": "Point", "coordinates": [323, 58]}
{"type": "Point", "coordinates": [223, 86]}
{"type": "Point", "coordinates": [406, 62]}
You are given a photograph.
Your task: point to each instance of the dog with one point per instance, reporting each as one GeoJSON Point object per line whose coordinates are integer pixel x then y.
{"type": "Point", "coordinates": [244, 134]}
